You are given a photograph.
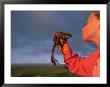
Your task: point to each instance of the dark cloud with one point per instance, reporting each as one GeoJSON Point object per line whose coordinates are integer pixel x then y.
{"type": "Point", "coordinates": [32, 31]}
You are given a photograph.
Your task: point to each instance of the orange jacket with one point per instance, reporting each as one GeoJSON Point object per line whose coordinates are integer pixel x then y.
{"type": "Point", "coordinates": [84, 66]}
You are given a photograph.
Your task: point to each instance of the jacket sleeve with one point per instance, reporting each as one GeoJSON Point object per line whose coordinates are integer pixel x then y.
{"type": "Point", "coordinates": [76, 64]}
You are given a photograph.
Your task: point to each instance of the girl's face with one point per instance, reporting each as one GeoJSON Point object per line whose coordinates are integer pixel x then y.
{"type": "Point", "coordinates": [91, 28]}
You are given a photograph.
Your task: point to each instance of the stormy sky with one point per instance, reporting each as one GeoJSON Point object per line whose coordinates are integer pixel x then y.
{"type": "Point", "coordinates": [31, 34]}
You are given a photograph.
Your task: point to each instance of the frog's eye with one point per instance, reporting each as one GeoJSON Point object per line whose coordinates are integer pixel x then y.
{"type": "Point", "coordinates": [85, 24]}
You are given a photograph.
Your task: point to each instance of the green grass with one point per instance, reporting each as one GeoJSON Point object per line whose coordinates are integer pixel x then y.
{"type": "Point", "coordinates": [35, 70]}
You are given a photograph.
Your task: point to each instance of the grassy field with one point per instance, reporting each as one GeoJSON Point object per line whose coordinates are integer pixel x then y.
{"type": "Point", "coordinates": [40, 70]}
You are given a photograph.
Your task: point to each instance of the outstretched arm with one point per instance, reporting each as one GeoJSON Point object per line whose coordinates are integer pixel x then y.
{"type": "Point", "coordinates": [75, 63]}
